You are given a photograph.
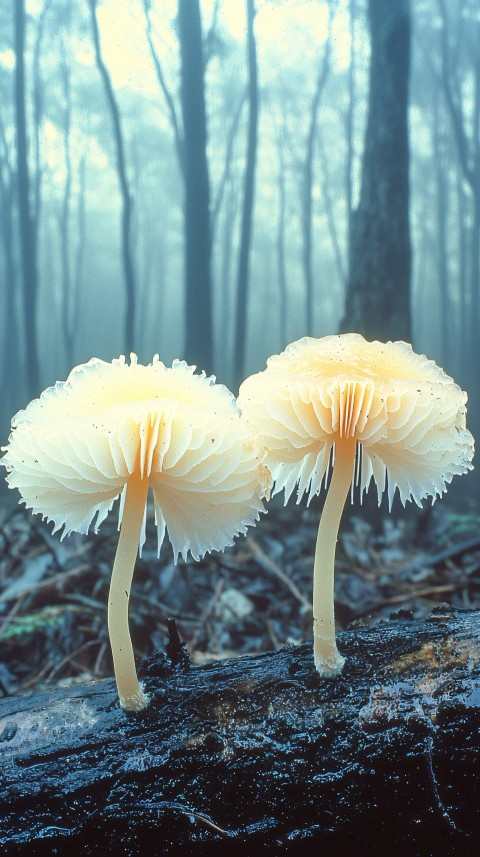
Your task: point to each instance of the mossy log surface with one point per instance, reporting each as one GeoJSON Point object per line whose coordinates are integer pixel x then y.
{"type": "Point", "coordinates": [258, 754]}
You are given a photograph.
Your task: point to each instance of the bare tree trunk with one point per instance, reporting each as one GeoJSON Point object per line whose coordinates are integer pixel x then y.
{"type": "Point", "coordinates": [67, 308]}
{"type": "Point", "coordinates": [441, 180]}
{"type": "Point", "coordinates": [349, 122]}
{"type": "Point", "coordinates": [199, 333]}
{"type": "Point", "coordinates": [232, 134]}
{"type": "Point", "coordinates": [330, 212]}
{"type": "Point", "coordinates": [474, 292]}
{"type": "Point", "coordinates": [307, 193]}
{"type": "Point", "coordinates": [129, 275]}
{"type": "Point", "coordinates": [248, 200]}
{"type": "Point", "coordinates": [463, 268]}
{"type": "Point", "coordinates": [467, 138]}
{"type": "Point", "coordinates": [80, 246]}
{"type": "Point", "coordinates": [378, 290]}
{"type": "Point", "coordinates": [10, 369]}
{"type": "Point", "coordinates": [475, 261]}
{"type": "Point", "coordinates": [26, 225]}
{"type": "Point", "coordinates": [281, 256]}
{"type": "Point", "coordinates": [177, 132]}
{"type": "Point", "coordinates": [226, 316]}
{"type": "Point", "coordinates": [38, 110]}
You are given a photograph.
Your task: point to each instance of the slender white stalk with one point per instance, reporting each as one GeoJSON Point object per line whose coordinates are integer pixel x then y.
{"type": "Point", "coordinates": [328, 660]}
{"type": "Point", "coordinates": [131, 695]}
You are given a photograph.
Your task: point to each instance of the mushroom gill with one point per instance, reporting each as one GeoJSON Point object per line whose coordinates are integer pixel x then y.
{"type": "Point", "coordinates": [373, 410]}
{"type": "Point", "coordinates": [113, 429]}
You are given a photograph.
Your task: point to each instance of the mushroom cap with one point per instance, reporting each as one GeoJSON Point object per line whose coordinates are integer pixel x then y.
{"type": "Point", "coordinates": [72, 451]}
{"type": "Point", "coordinates": [406, 413]}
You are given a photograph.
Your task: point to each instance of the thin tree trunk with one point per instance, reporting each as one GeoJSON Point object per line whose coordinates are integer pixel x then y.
{"type": "Point", "coordinates": [475, 263]}
{"type": "Point", "coordinates": [475, 296]}
{"type": "Point", "coordinates": [281, 256]}
{"type": "Point", "coordinates": [232, 134]}
{"type": "Point", "coordinates": [80, 245]}
{"type": "Point", "coordinates": [226, 325]}
{"type": "Point", "coordinates": [223, 320]}
{"type": "Point", "coordinates": [67, 318]}
{"type": "Point", "coordinates": [441, 179]}
{"type": "Point", "coordinates": [10, 374]}
{"type": "Point", "coordinates": [421, 297]}
{"type": "Point", "coordinates": [330, 212]}
{"type": "Point", "coordinates": [378, 290]}
{"type": "Point", "coordinates": [128, 270]}
{"type": "Point", "coordinates": [177, 132]}
{"type": "Point", "coordinates": [464, 282]}
{"type": "Point", "coordinates": [38, 109]}
{"type": "Point", "coordinates": [26, 225]}
{"type": "Point", "coordinates": [248, 200]}
{"type": "Point", "coordinates": [154, 287]}
{"type": "Point", "coordinates": [349, 123]}
{"type": "Point", "coordinates": [307, 193]}
{"type": "Point", "coordinates": [467, 137]}
{"type": "Point", "coordinates": [199, 332]}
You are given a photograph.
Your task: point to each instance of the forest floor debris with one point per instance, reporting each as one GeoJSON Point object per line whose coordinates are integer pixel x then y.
{"type": "Point", "coordinates": [251, 598]}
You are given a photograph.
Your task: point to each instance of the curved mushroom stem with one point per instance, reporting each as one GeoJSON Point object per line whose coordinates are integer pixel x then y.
{"type": "Point", "coordinates": [131, 695]}
{"type": "Point", "coordinates": [328, 660]}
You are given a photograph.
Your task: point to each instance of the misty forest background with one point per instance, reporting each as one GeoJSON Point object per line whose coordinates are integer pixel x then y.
{"type": "Point", "coordinates": [212, 180]}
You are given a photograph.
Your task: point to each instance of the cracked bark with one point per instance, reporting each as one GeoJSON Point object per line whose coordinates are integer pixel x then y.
{"type": "Point", "coordinates": [258, 752]}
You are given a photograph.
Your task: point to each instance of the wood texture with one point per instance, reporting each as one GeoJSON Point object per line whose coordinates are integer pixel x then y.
{"type": "Point", "coordinates": [258, 754]}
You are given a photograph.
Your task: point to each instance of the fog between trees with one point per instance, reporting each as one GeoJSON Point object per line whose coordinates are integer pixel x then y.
{"type": "Point", "coordinates": [124, 123]}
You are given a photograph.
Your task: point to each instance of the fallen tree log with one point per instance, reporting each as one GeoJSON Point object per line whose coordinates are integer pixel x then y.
{"type": "Point", "coordinates": [258, 754]}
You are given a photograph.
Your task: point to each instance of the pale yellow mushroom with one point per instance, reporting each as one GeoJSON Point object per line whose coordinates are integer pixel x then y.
{"type": "Point", "coordinates": [369, 409]}
{"type": "Point", "coordinates": [118, 429]}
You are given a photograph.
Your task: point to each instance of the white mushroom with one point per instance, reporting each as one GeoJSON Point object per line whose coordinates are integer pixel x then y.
{"type": "Point", "coordinates": [373, 410]}
{"type": "Point", "coordinates": [116, 429]}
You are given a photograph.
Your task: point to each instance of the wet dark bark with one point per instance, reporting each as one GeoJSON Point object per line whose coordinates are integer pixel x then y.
{"type": "Point", "coordinates": [128, 269]}
{"type": "Point", "coordinates": [199, 336]}
{"type": "Point", "coordinates": [378, 289]}
{"type": "Point", "coordinates": [258, 754]}
{"type": "Point", "coordinates": [25, 220]}
{"type": "Point", "coordinates": [248, 200]}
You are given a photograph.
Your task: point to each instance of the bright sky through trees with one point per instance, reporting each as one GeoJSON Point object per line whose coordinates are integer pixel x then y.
{"type": "Point", "coordinates": [122, 26]}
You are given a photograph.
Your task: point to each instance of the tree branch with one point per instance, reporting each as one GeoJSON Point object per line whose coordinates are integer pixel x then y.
{"type": "Point", "coordinates": [179, 141]}
{"type": "Point", "coordinates": [123, 181]}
